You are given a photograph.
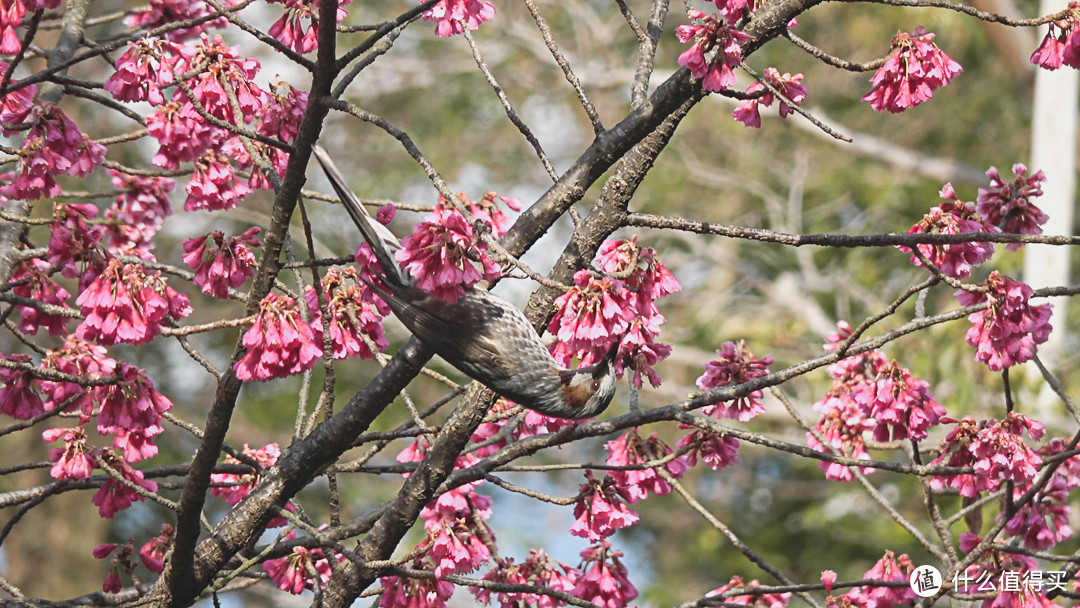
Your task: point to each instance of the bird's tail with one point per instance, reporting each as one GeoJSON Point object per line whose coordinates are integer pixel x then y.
{"type": "Point", "coordinates": [383, 243]}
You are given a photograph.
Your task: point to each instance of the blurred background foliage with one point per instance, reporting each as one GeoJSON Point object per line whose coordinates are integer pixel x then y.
{"type": "Point", "coordinates": [786, 176]}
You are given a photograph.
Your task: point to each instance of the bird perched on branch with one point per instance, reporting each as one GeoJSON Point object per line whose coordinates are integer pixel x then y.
{"type": "Point", "coordinates": [480, 334]}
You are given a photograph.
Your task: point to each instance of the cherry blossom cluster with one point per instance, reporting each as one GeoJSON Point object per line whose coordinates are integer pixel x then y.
{"type": "Point", "coordinates": [164, 12]}
{"type": "Point", "coordinates": [206, 78]}
{"type": "Point", "coordinates": [760, 600]}
{"type": "Point", "coordinates": [74, 245]}
{"type": "Point", "coordinates": [53, 145]}
{"type": "Point", "coordinates": [1060, 46]}
{"type": "Point", "coordinates": [356, 314]}
{"type": "Point", "coordinates": [953, 216]}
{"type": "Point", "coordinates": [632, 450]}
{"type": "Point", "coordinates": [231, 487]}
{"type": "Point", "coordinates": [1009, 329]}
{"type": "Point", "coordinates": [440, 250]}
{"type": "Point", "coordinates": [448, 15]}
{"type": "Point", "coordinates": [995, 449]}
{"type": "Point", "coordinates": [604, 580]}
{"type": "Point", "coordinates": [279, 343]}
{"type": "Point", "coordinates": [869, 393]}
{"type": "Point", "coordinates": [707, 33]}
{"type": "Point", "coordinates": [992, 566]}
{"type": "Point", "coordinates": [293, 573]}
{"type": "Point", "coordinates": [289, 29]}
{"type": "Point", "coordinates": [1044, 521]}
{"type": "Point", "coordinates": [31, 279]}
{"type": "Point", "coordinates": [122, 560]}
{"type": "Point", "coordinates": [914, 69]}
{"type": "Point", "coordinates": [224, 263]}
{"type": "Point", "coordinates": [790, 87]}
{"type": "Point", "coordinates": [601, 508]}
{"type": "Point", "coordinates": [601, 313]}
{"type": "Point", "coordinates": [139, 210]}
{"type": "Point", "coordinates": [538, 570]}
{"type": "Point", "coordinates": [1008, 206]}
{"type": "Point", "coordinates": [888, 569]}
{"type": "Point", "coordinates": [124, 304]}
{"type": "Point", "coordinates": [736, 365]}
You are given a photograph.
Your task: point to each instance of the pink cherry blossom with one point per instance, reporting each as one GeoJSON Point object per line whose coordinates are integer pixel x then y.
{"type": "Point", "coordinates": [994, 449]}
{"type": "Point", "coordinates": [11, 16]}
{"type": "Point", "coordinates": [716, 451]}
{"type": "Point", "coordinates": [912, 72]}
{"type": "Point", "coordinates": [124, 304]}
{"type": "Point", "coordinates": [1061, 45]}
{"type": "Point", "coordinates": [53, 145]}
{"type": "Point", "coordinates": [153, 552]}
{"type": "Point", "coordinates": [224, 263]}
{"type": "Point", "coordinates": [233, 488]}
{"type": "Point", "coordinates": [604, 579]}
{"type": "Point", "coordinates": [16, 105]}
{"type": "Point", "coordinates": [448, 15]}
{"type": "Point", "coordinates": [163, 12]}
{"type": "Point", "coordinates": [280, 343]}
{"type": "Point", "coordinates": [708, 33]}
{"type": "Point", "coordinates": [630, 450]}
{"type": "Point", "coordinates": [78, 358]}
{"type": "Point", "coordinates": [114, 496]}
{"type": "Point", "coordinates": [75, 460]}
{"type": "Point", "coordinates": [181, 139]}
{"type": "Point", "coordinates": [828, 578]}
{"type": "Point", "coordinates": [992, 565]}
{"type": "Point", "coordinates": [144, 69]}
{"type": "Point", "coordinates": [1009, 205]}
{"type": "Point", "coordinates": [438, 255]}
{"type": "Point", "coordinates": [763, 600]}
{"type": "Point", "coordinates": [132, 410]}
{"type": "Point", "coordinates": [1008, 331]}
{"type": "Point", "coordinates": [735, 366]}
{"type": "Point", "coordinates": [791, 87]}
{"type": "Point", "coordinates": [899, 404]}
{"type": "Point", "coordinates": [537, 569]}
{"type": "Point", "coordinates": [414, 592]}
{"type": "Point", "coordinates": [1043, 522]}
{"type": "Point", "coordinates": [890, 569]}
{"type": "Point", "coordinates": [282, 115]}
{"type": "Point", "coordinates": [590, 317]}
{"type": "Point", "coordinates": [455, 547]}
{"type": "Point", "coordinates": [841, 427]}
{"type": "Point", "coordinates": [74, 245]}
{"type": "Point", "coordinates": [290, 573]}
{"type": "Point", "coordinates": [355, 318]}
{"type": "Point", "coordinates": [600, 509]}
{"type": "Point", "coordinates": [214, 185]}
{"type": "Point", "coordinates": [488, 210]}
{"type": "Point", "coordinates": [224, 67]}
{"type": "Point", "coordinates": [137, 214]}
{"type": "Point", "coordinates": [19, 395]}
{"type": "Point", "coordinates": [952, 217]}
{"type": "Point", "coordinates": [32, 281]}
{"type": "Point", "coordinates": [291, 32]}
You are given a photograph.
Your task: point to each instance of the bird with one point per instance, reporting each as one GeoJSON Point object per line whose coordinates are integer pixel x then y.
{"type": "Point", "coordinates": [482, 335]}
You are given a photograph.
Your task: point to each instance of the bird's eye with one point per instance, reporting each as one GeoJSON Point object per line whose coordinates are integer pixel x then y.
{"type": "Point", "coordinates": [595, 385]}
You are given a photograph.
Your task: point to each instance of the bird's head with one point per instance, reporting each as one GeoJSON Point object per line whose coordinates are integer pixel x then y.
{"type": "Point", "coordinates": [587, 391]}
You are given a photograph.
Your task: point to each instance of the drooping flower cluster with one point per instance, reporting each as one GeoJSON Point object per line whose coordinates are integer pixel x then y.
{"type": "Point", "coordinates": [1061, 45]}
{"type": "Point", "coordinates": [74, 243]}
{"type": "Point", "coordinates": [279, 343]}
{"type": "Point", "coordinates": [356, 314]}
{"type": "Point", "coordinates": [995, 449]}
{"type": "Point", "coordinates": [124, 304]}
{"type": "Point", "coordinates": [32, 282]}
{"type": "Point", "coordinates": [439, 253]}
{"type": "Point", "coordinates": [163, 12]}
{"type": "Point", "coordinates": [75, 460]}
{"type": "Point", "coordinates": [122, 560]}
{"type": "Point", "coordinates": [15, 106]}
{"type": "Point", "coordinates": [601, 313]}
{"type": "Point", "coordinates": [888, 569]}
{"type": "Point", "coordinates": [147, 66]}
{"type": "Point", "coordinates": [1008, 206]}
{"type": "Point", "coordinates": [539, 570]}
{"type": "Point", "coordinates": [214, 185]}
{"type": "Point", "coordinates": [715, 450]}
{"type": "Point", "coordinates": [915, 68]}
{"type": "Point", "coordinates": [790, 87]}
{"type": "Point", "coordinates": [600, 509]}
{"type": "Point", "coordinates": [131, 409]}
{"type": "Point", "coordinates": [53, 145]}
{"type": "Point", "coordinates": [604, 580]}
{"type": "Point", "coordinates": [292, 573]}
{"type": "Point", "coordinates": [290, 30]}
{"type": "Point", "coordinates": [223, 264]}
{"type": "Point", "coordinates": [1009, 329]}
{"type": "Point", "coordinates": [952, 217]}
{"type": "Point", "coordinates": [232, 487]}
{"type": "Point", "coordinates": [77, 358]}
{"type": "Point", "coordinates": [758, 600]}
{"type": "Point", "coordinates": [631, 450]}
{"type": "Point", "coordinates": [138, 213]}
{"type": "Point", "coordinates": [449, 14]}
{"type": "Point", "coordinates": [19, 397]}
{"type": "Point", "coordinates": [708, 33]}
{"type": "Point", "coordinates": [153, 551]}
{"type": "Point", "coordinates": [735, 366]}
{"type": "Point", "coordinates": [115, 496]}
{"type": "Point", "coordinates": [11, 17]}
{"type": "Point", "coordinates": [995, 565]}
{"type": "Point", "coordinates": [414, 592]}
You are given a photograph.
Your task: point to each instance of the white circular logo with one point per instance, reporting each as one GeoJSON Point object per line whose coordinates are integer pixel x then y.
{"type": "Point", "coordinates": [925, 581]}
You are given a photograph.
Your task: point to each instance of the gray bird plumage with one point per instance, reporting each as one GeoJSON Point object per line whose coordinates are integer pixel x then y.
{"type": "Point", "coordinates": [480, 334]}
